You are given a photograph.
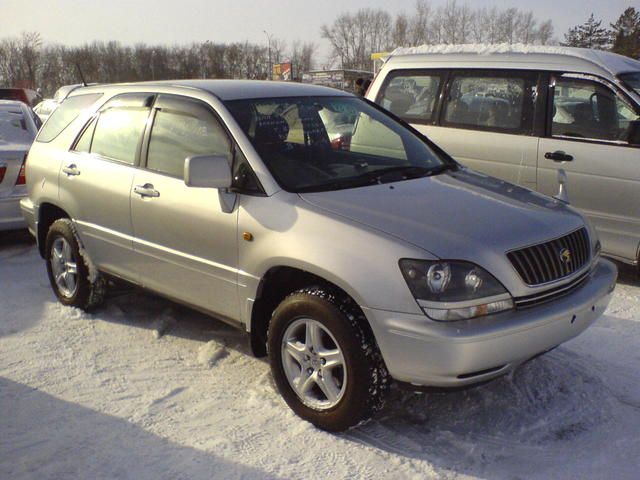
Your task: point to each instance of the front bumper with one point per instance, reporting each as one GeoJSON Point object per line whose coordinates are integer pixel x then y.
{"type": "Point", "coordinates": [10, 216]}
{"type": "Point", "coordinates": [451, 354]}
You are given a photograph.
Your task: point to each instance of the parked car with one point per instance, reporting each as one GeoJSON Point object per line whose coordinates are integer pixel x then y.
{"type": "Point", "coordinates": [523, 113]}
{"type": "Point", "coordinates": [17, 131]}
{"type": "Point", "coordinates": [65, 90]}
{"type": "Point", "coordinates": [350, 264]}
{"type": "Point", "coordinates": [45, 108]}
{"type": "Point", "coordinates": [25, 95]}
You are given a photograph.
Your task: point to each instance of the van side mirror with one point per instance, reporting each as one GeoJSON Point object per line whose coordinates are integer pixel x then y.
{"type": "Point", "coordinates": [634, 132]}
{"type": "Point", "coordinates": [207, 171]}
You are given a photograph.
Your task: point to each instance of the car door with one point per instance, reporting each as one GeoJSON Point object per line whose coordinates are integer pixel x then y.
{"type": "Point", "coordinates": [485, 120]}
{"type": "Point", "coordinates": [589, 122]}
{"type": "Point", "coordinates": [96, 177]}
{"type": "Point", "coordinates": [185, 238]}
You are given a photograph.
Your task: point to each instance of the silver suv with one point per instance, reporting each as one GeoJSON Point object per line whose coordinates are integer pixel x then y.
{"type": "Point", "coordinates": [351, 257]}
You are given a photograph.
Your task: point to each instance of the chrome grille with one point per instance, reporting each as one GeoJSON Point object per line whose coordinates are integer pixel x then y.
{"type": "Point", "coordinates": [552, 260]}
{"type": "Point", "coordinates": [551, 294]}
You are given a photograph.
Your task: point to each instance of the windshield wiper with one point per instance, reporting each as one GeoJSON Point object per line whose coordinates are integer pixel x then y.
{"type": "Point", "coordinates": [407, 172]}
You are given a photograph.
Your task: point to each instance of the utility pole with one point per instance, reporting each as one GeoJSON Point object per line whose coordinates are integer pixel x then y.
{"type": "Point", "coordinates": [270, 72]}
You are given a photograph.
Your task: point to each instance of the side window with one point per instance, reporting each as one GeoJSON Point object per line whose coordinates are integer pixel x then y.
{"type": "Point", "coordinates": [411, 95]}
{"type": "Point", "coordinates": [118, 133]}
{"type": "Point", "coordinates": [84, 142]}
{"type": "Point", "coordinates": [590, 110]}
{"type": "Point", "coordinates": [66, 113]}
{"type": "Point", "coordinates": [180, 130]}
{"type": "Point", "coordinates": [497, 102]}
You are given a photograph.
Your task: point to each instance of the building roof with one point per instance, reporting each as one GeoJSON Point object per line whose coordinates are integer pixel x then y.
{"type": "Point", "coordinates": [523, 55]}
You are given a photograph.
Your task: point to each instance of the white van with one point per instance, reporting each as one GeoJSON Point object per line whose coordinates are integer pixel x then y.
{"type": "Point", "coordinates": [520, 113]}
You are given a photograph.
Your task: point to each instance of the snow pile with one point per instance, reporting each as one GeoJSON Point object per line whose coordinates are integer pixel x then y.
{"type": "Point", "coordinates": [211, 353]}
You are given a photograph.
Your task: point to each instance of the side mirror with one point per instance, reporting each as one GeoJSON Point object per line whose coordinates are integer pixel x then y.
{"type": "Point", "coordinates": [207, 171]}
{"type": "Point", "coordinates": [634, 132]}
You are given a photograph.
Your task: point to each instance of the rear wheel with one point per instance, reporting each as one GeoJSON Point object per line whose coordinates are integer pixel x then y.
{"type": "Point", "coordinates": [68, 270]}
{"type": "Point", "coordinates": [325, 361]}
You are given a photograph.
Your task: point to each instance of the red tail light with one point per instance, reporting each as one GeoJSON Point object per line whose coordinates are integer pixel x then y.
{"type": "Point", "coordinates": [3, 170]}
{"type": "Point", "coordinates": [22, 178]}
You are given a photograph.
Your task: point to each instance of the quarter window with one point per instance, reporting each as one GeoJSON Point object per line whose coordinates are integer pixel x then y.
{"type": "Point", "coordinates": [490, 102]}
{"type": "Point", "coordinates": [411, 96]}
{"type": "Point", "coordinates": [66, 113]}
{"type": "Point", "coordinates": [587, 109]}
{"type": "Point", "coordinates": [180, 133]}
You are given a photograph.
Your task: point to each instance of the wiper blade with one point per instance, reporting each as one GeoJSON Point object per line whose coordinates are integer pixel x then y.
{"type": "Point", "coordinates": [376, 176]}
{"type": "Point", "coordinates": [407, 171]}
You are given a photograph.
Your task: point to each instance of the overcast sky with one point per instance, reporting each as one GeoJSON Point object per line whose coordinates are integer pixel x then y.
{"type": "Point", "coordinates": [75, 22]}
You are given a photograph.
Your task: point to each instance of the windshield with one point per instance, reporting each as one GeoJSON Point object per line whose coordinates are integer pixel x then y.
{"type": "Point", "coordinates": [632, 80]}
{"type": "Point", "coordinates": [330, 143]}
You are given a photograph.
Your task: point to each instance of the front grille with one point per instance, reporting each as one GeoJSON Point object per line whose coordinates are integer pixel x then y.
{"type": "Point", "coordinates": [549, 295]}
{"type": "Point", "coordinates": [552, 260]}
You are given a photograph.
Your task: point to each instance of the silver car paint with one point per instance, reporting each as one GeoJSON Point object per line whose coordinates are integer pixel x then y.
{"type": "Point", "coordinates": [603, 179]}
{"type": "Point", "coordinates": [12, 154]}
{"type": "Point", "coordinates": [190, 250]}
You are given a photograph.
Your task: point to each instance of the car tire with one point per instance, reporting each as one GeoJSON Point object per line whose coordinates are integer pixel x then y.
{"type": "Point", "coordinates": [74, 281]}
{"type": "Point", "coordinates": [325, 361]}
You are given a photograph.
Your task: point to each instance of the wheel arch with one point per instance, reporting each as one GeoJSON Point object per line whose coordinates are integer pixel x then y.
{"type": "Point", "coordinates": [47, 214]}
{"type": "Point", "coordinates": [276, 284]}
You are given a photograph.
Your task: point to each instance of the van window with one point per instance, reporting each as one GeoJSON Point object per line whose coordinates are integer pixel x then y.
{"type": "Point", "coordinates": [66, 113]}
{"type": "Point", "coordinates": [118, 133]}
{"type": "Point", "coordinates": [587, 109]}
{"type": "Point", "coordinates": [498, 102]}
{"type": "Point", "coordinates": [178, 133]}
{"type": "Point", "coordinates": [411, 95]}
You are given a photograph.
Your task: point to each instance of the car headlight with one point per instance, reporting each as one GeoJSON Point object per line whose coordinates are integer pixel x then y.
{"type": "Point", "coordinates": [453, 290]}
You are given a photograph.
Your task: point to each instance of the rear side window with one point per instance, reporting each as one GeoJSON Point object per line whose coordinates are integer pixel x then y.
{"type": "Point", "coordinates": [66, 113]}
{"type": "Point", "coordinates": [118, 133]}
{"type": "Point", "coordinates": [183, 128]}
{"type": "Point", "coordinates": [411, 95]}
{"type": "Point", "coordinates": [494, 102]}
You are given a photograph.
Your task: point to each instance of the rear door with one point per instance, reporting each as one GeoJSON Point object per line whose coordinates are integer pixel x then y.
{"type": "Point", "coordinates": [588, 130]}
{"type": "Point", "coordinates": [485, 118]}
{"type": "Point", "coordinates": [95, 181]}
{"type": "Point", "coordinates": [185, 242]}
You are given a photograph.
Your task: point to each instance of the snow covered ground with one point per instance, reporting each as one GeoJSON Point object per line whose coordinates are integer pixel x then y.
{"type": "Point", "coordinates": [147, 389]}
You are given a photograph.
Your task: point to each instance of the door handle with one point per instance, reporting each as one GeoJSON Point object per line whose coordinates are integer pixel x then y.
{"type": "Point", "coordinates": [558, 156]}
{"type": "Point", "coordinates": [146, 190]}
{"type": "Point", "coordinates": [71, 170]}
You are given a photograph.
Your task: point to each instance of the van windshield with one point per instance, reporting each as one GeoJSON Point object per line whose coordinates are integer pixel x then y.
{"type": "Point", "coordinates": [331, 143]}
{"type": "Point", "coordinates": [632, 80]}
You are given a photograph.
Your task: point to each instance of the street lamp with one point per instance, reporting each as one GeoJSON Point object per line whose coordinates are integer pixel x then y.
{"type": "Point", "coordinates": [269, 76]}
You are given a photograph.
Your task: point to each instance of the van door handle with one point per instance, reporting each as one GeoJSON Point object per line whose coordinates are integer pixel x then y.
{"type": "Point", "coordinates": [146, 190]}
{"type": "Point", "coordinates": [71, 170]}
{"type": "Point", "coordinates": [558, 156]}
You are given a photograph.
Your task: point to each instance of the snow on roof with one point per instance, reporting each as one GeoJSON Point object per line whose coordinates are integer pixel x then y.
{"type": "Point", "coordinates": [612, 62]}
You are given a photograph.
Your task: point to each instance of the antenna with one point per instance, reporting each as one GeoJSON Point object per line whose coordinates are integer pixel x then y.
{"type": "Point", "coordinates": [84, 84]}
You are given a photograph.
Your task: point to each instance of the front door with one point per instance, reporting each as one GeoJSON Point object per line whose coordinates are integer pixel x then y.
{"type": "Point", "coordinates": [589, 127]}
{"type": "Point", "coordinates": [185, 243]}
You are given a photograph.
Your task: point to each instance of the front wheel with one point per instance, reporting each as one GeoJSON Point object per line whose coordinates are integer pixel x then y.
{"type": "Point", "coordinates": [325, 361]}
{"type": "Point", "coordinates": [68, 269]}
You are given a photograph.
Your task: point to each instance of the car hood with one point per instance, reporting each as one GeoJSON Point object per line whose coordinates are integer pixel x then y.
{"type": "Point", "coordinates": [461, 215]}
